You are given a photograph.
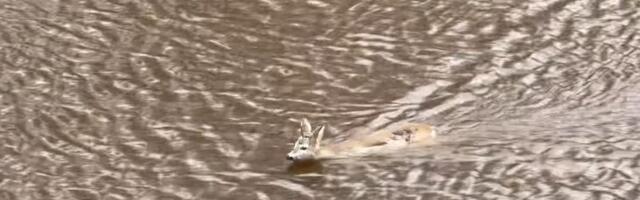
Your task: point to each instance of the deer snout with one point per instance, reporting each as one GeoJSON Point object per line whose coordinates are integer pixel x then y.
{"type": "Point", "coordinates": [290, 157]}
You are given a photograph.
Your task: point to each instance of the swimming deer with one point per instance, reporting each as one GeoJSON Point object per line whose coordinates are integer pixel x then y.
{"type": "Point", "coordinates": [309, 145]}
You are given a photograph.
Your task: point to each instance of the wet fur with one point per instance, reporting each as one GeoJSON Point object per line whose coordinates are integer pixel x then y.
{"type": "Point", "coordinates": [387, 140]}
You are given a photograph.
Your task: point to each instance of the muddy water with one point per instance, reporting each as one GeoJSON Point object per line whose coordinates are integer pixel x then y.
{"type": "Point", "coordinates": [199, 99]}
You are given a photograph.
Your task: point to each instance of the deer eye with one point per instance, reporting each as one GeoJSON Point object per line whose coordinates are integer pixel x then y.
{"type": "Point", "coordinates": [303, 148]}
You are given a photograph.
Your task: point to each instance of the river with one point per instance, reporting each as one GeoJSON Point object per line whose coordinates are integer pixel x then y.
{"type": "Point", "coordinates": [201, 99]}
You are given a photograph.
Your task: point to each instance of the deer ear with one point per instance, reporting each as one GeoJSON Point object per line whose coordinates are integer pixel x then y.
{"type": "Point", "coordinates": [305, 127]}
{"type": "Point", "coordinates": [319, 132]}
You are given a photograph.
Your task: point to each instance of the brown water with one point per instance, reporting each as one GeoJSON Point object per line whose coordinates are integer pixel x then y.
{"type": "Point", "coordinates": [199, 99]}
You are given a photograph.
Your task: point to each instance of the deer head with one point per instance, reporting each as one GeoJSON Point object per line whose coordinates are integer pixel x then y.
{"type": "Point", "coordinates": [306, 147]}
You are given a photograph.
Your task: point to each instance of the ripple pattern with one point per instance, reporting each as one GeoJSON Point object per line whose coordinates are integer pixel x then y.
{"type": "Point", "coordinates": [198, 99]}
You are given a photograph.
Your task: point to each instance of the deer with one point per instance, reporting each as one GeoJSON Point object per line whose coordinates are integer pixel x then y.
{"type": "Point", "coordinates": [309, 146]}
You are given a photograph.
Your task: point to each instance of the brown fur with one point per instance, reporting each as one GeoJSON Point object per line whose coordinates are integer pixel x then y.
{"type": "Point", "coordinates": [389, 139]}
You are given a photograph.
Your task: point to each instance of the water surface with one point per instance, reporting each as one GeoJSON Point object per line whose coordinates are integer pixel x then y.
{"type": "Point", "coordinates": [200, 99]}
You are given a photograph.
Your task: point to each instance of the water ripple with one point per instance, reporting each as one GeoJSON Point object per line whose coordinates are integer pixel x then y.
{"type": "Point", "coordinates": [176, 99]}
